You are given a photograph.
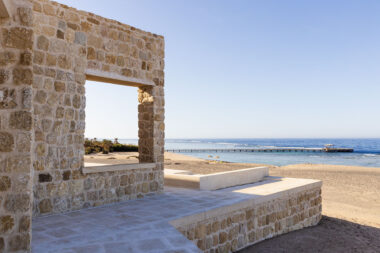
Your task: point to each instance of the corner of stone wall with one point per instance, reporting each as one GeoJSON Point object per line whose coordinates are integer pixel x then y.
{"type": "Point", "coordinates": [235, 230]}
{"type": "Point", "coordinates": [16, 128]}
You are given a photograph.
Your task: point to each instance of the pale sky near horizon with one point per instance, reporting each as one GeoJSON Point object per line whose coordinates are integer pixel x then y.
{"type": "Point", "coordinates": [251, 69]}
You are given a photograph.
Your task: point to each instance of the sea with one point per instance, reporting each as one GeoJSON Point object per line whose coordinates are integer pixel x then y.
{"type": "Point", "coordinates": [366, 151]}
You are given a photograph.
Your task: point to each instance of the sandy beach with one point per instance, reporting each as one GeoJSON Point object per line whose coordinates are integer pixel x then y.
{"type": "Point", "coordinates": [349, 192]}
{"type": "Point", "coordinates": [350, 195]}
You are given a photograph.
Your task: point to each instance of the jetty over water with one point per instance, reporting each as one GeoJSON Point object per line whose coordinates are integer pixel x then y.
{"type": "Point", "coordinates": [274, 149]}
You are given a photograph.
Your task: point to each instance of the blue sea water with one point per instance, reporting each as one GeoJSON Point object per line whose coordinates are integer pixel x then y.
{"type": "Point", "coordinates": [366, 151]}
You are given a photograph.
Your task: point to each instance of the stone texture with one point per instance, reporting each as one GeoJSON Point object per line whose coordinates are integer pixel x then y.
{"type": "Point", "coordinates": [7, 57]}
{"type": "Point", "coordinates": [4, 76]}
{"type": "Point", "coordinates": [17, 37]}
{"type": "Point", "coordinates": [45, 206]}
{"type": "Point", "coordinates": [43, 43]}
{"type": "Point", "coordinates": [60, 86]}
{"type": "Point", "coordinates": [6, 142]}
{"type": "Point", "coordinates": [46, 50]}
{"type": "Point", "coordinates": [24, 224]}
{"type": "Point", "coordinates": [74, 46]}
{"type": "Point", "coordinates": [250, 225]}
{"type": "Point", "coordinates": [16, 79]}
{"type": "Point", "coordinates": [40, 97]}
{"type": "Point", "coordinates": [140, 220]}
{"type": "Point", "coordinates": [60, 34]}
{"type": "Point", "coordinates": [5, 183]}
{"type": "Point", "coordinates": [26, 58]}
{"type": "Point", "coordinates": [17, 203]}
{"type": "Point", "coordinates": [64, 62]}
{"type": "Point", "coordinates": [19, 242]}
{"type": "Point", "coordinates": [25, 15]}
{"type": "Point", "coordinates": [20, 120]}
{"type": "Point", "coordinates": [22, 76]}
{"type": "Point", "coordinates": [43, 178]}
{"type": "Point", "coordinates": [6, 223]}
{"type": "Point", "coordinates": [8, 99]}
{"type": "Point", "coordinates": [80, 38]}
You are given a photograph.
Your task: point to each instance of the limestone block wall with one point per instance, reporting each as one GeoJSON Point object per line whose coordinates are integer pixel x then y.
{"type": "Point", "coordinates": [234, 230]}
{"type": "Point", "coordinates": [16, 128]}
{"type": "Point", "coordinates": [100, 188]}
{"type": "Point", "coordinates": [48, 51]}
{"type": "Point", "coordinates": [69, 47]}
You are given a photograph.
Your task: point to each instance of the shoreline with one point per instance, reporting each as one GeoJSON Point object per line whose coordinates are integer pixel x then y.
{"type": "Point", "coordinates": [190, 157]}
{"type": "Point", "coordinates": [132, 157]}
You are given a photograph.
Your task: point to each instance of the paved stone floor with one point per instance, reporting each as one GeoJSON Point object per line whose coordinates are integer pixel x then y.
{"type": "Point", "coordinates": [140, 225]}
{"type": "Point", "coordinates": [135, 226]}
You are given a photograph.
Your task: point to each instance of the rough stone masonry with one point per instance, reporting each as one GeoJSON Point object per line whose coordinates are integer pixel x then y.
{"type": "Point", "coordinates": [48, 51]}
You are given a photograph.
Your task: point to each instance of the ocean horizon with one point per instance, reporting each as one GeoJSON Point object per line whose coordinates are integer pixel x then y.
{"type": "Point", "coordinates": [366, 150]}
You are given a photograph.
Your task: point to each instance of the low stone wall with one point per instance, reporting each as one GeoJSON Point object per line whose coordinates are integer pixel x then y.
{"type": "Point", "coordinates": [96, 189]}
{"type": "Point", "coordinates": [216, 181]}
{"type": "Point", "coordinates": [232, 229]}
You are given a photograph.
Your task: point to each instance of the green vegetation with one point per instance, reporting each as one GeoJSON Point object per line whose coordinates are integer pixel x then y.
{"type": "Point", "coordinates": [106, 146]}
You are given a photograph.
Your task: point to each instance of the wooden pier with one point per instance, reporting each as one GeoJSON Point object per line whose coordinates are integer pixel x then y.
{"type": "Point", "coordinates": [269, 150]}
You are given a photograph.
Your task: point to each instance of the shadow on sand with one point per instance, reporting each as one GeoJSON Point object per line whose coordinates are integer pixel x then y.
{"type": "Point", "coordinates": [330, 235]}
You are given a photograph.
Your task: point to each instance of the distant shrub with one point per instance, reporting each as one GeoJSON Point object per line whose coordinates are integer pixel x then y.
{"type": "Point", "coordinates": [106, 146]}
{"type": "Point", "coordinates": [124, 148]}
{"type": "Point", "coordinates": [88, 150]}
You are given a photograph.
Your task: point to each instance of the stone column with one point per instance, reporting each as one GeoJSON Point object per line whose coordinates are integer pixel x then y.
{"type": "Point", "coordinates": [16, 128]}
{"type": "Point", "coordinates": [146, 124]}
{"type": "Point", "coordinates": [152, 128]}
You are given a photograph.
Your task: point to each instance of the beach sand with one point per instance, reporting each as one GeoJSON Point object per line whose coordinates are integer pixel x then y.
{"type": "Point", "coordinates": [172, 161]}
{"type": "Point", "coordinates": [350, 195]}
{"type": "Point", "coordinates": [350, 208]}
{"type": "Point", "coordinates": [349, 192]}
{"type": "Point", "coordinates": [112, 158]}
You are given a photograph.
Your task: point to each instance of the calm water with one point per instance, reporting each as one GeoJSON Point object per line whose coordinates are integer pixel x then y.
{"type": "Point", "coordinates": [367, 151]}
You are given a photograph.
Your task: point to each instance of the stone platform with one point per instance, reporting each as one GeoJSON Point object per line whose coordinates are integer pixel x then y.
{"type": "Point", "coordinates": [214, 181]}
{"type": "Point", "coordinates": [185, 220]}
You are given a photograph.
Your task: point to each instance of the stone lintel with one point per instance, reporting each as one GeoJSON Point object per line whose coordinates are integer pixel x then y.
{"type": "Point", "coordinates": [109, 77]}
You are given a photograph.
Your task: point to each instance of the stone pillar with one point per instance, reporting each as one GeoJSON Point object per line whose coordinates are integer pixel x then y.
{"type": "Point", "coordinates": [152, 128]}
{"type": "Point", "coordinates": [146, 124]}
{"type": "Point", "coordinates": [151, 124]}
{"type": "Point", "coordinates": [16, 128]}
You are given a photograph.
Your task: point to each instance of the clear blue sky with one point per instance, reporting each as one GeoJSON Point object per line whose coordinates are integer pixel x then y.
{"type": "Point", "coordinates": [251, 69]}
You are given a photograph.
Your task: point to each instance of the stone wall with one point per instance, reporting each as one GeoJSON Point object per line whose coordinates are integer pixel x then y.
{"type": "Point", "coordinates": [16, 124]}
{"type": "Point", "coordinates": [234, 230]}
{"type": "Point", "coordinates": [48, 50]}
{"type": "Point", "coordinates": [100, 188]}
{"type": "Point", "coordinates": [69, 44]}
